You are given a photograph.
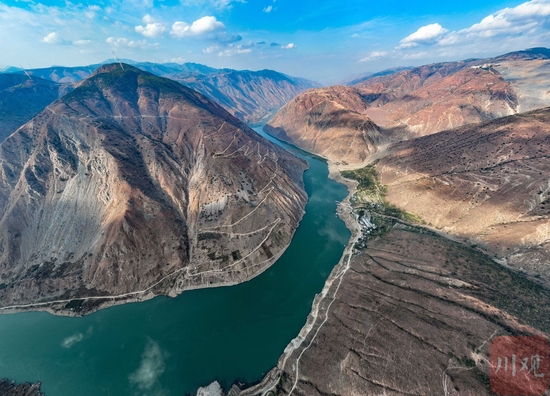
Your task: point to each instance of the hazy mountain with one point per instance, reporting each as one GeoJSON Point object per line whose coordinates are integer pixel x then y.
{"type": "Point", "coordinates": [251, 96]}
{"type": "Point", "coordinates": [363, 77]}
{"type": "Point", "coordinates": [21, 98]}
{"type": "Point", "coordinates": [121, 184]}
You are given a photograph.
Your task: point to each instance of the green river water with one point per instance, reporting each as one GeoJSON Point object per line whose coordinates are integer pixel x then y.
{"type": "Point", "coordinates": [172, 346]}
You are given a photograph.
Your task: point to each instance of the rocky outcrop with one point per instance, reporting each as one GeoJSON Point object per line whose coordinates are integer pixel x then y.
{"type": "Point", "coordinates": [414, 314]}
{"type": "Point", "coordinates": [329, 122]}
{"type": "Point", "coordinates": [133, 185]}
{"type": "Point", "coordinates": [21, 98]}
{"type": "Point", "coordinates": [9, 388]}
{"type": "Point", "coordinates": [486, 182]}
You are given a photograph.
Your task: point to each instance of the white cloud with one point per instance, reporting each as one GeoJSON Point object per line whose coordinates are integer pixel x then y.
{"type": "Point", "coordinates": [70, 341]}
{"type": "Point", "coordinates": [150, 369]}
{"type": "Point", "coordinates": [179, 59]}
{"type": "Point", "coordinates": [416, 55]}
{"type": "Point", "coordinates": [268, 8]}
{"type": "Point", "coordinates": [221, 4]}
{"type": "Point", "coordinates": [508, 29]}
{"type": "Point", "coordinates": [76, 338]}
{"type": "Point", "coordinates": [289, 46]}
{"type": "Point", "coordinates": [53, 38]}
{"type": "Point", "coordinates": [428, 34]}
{"type": "Point", "coordinates": [124, 42]}
{"type": "Point", "coordinates": [520, 20]}
{"type": "Point", "coordinates": [152, 28]}
{"type": "Point", "coordinates": [82, 42]}
{"type": "Point", "coordinates": [206, 24]}
{"type": "Point", "coordinates": [374, 55]}
{"type": "Point", "coordinates": [211, 49]}
{"type": "Point", "coordinates": [239, 50]}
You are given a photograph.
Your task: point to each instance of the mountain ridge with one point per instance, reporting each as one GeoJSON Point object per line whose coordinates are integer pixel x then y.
{"type": "Point", "coordinates": [252, 96]}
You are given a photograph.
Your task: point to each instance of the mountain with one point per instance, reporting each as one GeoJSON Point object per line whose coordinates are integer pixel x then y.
{"type": "Point", "coordinates": [251, 96]}
{"type": "Point", "coordinates": [363, 77]}
{"type": "Point", "coordinates": [414, 314]}
{"type": "Point", "coordinates": [432, 98]}
{"type": "Point", "coordinates": [22, 97]}
{"type": "Point", "coordinates": [486, 182]}
{"type": "Point", "coordinates": [330, 122]}
{"type": "Point", "coordinates": [418, 101]}
{"type": "Point", "coordinates": [133, 185]}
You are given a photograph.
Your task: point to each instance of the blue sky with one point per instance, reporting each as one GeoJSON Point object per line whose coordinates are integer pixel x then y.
{"type": "Point", "coordinates": [323, 40]}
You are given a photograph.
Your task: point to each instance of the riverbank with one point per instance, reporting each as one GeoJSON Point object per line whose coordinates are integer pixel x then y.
{"type": "Point", "coordinates": [433, 259]}
{"type": "Point", "coordinates": [96, 303]}
{"type": "Point", "coordinates": [323, 301]}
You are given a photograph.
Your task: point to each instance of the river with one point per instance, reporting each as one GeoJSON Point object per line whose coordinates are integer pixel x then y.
{"type": "Point", "coordinates": [172, 346]}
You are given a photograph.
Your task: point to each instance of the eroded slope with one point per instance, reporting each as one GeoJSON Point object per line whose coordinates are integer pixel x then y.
{"type": "Point", "coordinates": [133, 185]}
{"type": "Point", "coordinates": [486, 182]}
{"type": "Point", "coordinates": [413, 315]}
{"type": "Point", "coordinates": [330, 122]}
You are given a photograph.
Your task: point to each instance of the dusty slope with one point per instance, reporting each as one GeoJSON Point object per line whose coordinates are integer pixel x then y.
{"type": "Point", "coordinates": [440, 96]}
{"type": "Point", "coordinates": [530, 79]}
{"type": "Point", "coordinates": [487, 182]}
{"type": "Point", "coordinates": [413, 315]}
{"type": "Point", "coordinates": [329, 122]}
{"type": "Point", "coordinates": [134, 185]}
{"type": "Point", "coordinates": [21, 98]}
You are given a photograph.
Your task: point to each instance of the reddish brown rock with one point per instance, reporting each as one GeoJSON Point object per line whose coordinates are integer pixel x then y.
{"type": "Point", "coordinates": [329, 122]}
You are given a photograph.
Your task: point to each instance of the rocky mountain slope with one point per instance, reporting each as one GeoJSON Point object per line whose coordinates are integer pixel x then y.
{"type": "Point", "coordinates": [133, 185]}
{"type": "Point", "coordinates": [440, 96]}
{"type": "Point", "coordinates": [487, 182]}
{"type": "Point", "coordinates": [414, 314]}
{"type": "Point", "coordinates": [412, 102]}
{"type": "Point", "coordinates": [330, 122]}
{"type": "Point", "coordinates": [251, 96]}
{"type": "Point", "coordinates": [21, 98]}
{"type": "Point", "coordinates": [433, 98]}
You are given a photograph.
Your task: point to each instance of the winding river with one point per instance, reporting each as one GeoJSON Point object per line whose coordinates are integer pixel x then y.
{"type": "Point", "coordinates": [172, 346]}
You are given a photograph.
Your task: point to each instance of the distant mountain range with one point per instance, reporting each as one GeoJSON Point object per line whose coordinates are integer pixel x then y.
{"type": "Point", "coordinates": [251, 96]}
